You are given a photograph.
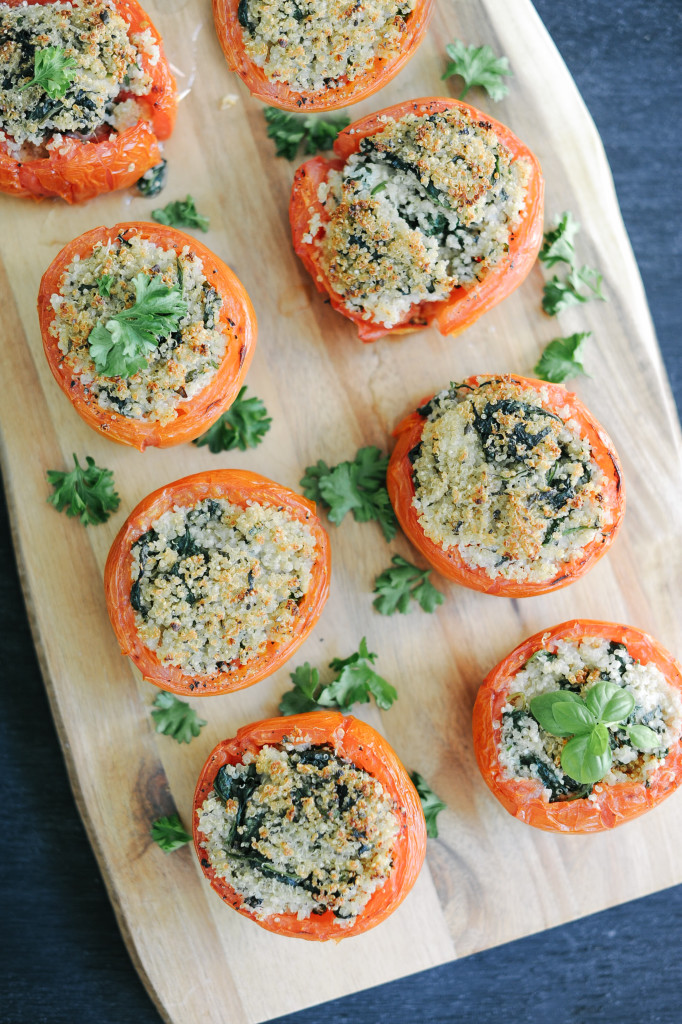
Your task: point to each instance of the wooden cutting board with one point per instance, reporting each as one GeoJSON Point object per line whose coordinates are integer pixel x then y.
{"type": "Point", "coordinates": [488, 879]}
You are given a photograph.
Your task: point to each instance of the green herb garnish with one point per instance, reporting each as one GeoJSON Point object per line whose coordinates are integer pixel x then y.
{"type": "Point", "coordinates": [181, 213]}
{"type": "Point", "coordinates": [358, 486]}
{"type": "Point", "coordinates": [104, 284]}
{"type": "Point", "coordinates": [478, 66]}
{"type": "Point", "coordinates": [561, 359]}
{"type": "Point", "coordinates": [289, 130]}
{"type": "Point", "coordinates": [355, 681]}
{"type": "Point", "coordinates": [119, 348]}
{"type": "Point", "coordinates": [397, 586]}
{"type": "Point", "coordinates": [431, 804]}
{"type": "Point", "coordinates": [53, 72]}
{"type": "Point", "coordinates": [174, 717]}
{"type": "Point", "coordinates": [586, 757]}
{"type": "Point", "coordinates": [86, 493]}
{"type": "Point", "coordinates": [169, 833]}
{"type": "Point", "coordinates": [243, 426]}
{"type": "Point", "coordinates": [557, 244]}
{"type": "Point", "coordinates": [560, 293]}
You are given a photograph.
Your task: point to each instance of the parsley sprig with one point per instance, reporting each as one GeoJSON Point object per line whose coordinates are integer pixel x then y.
{"type": "Point", "coordinates": [398, 585]}
{"type": "Point", "coordinates": [562, 358]}
{"type": "Point", "coordinates": [169, 833]}
{"type": "Point", "coordinates": [586, 757]}
{"type": "Point", "coordinates": [87, 493]}
{"type": "Point", "coordinates": [478, 66]}
{"type": "Point", "coordinates": [243, 426]}
{"type": "Point", "coordinates": [358, 487]}
{"type": "Point", "coordinates": [431, 804]}
{"type": "Point", "coordinates": [290, 130]}
{"type": "Point", "coordinates": [181, 213]}
{"type": "Point", "coordinates": [174, 717]}
{"type": "Point", "coordinates": [355, 681]}
{"type": "Point", "coordinates": [581, 283]}
{"type": "Point", "coordinates": [53, 72]}
{"type": "Point", "coordinates": [120, 347]}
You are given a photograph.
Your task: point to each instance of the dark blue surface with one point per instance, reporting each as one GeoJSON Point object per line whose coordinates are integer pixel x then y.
{"type": "Point", "coordinates": [62, 956]}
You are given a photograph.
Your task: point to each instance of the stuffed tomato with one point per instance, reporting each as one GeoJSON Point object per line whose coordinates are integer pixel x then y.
{"type": "Point", "coordinates": [87, 93]}
{"type": "Point", "coordinates": [168, 385]}
{"type": "Point", "coordinates": [322, 56]}
{"type": "Point", "coordinates": [430, 213]}
{"type": "Point", "coordinates": [309, 825]}
{"type": "Point", "coordinates": [215, 580]}
{"type": "Point", "coordinates": [507, 485]}
{"type": "Point", "coordinates": [616, 752]}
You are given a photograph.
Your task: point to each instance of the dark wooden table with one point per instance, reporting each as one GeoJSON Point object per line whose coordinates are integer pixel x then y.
{"type": "Point", "coordinates": [63, 959]}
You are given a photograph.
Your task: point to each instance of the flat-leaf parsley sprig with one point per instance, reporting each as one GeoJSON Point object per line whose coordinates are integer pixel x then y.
{"type": "Point", "coordinates": [243, 426]}
{"type": "Point", "coordinates": [355, 681]}
{"type": "Point", "coordinates": [289, 130]}
{"type": "Point", "coordinates": [175, 717]}
{"type": "Point", "coordinates": [562, 359]}
{"type": "Point", "coordinates": [358, 487]}
{"type": "Point", "coordinates": [53, 72]}
{"type": "Point", "coordinates": [432, 805]}
{"type": "Point", "coordinates": [401, 583]}
{"type": "Point", "coordinates": [558, 247]}
{"type": "Point", "coordinates": [120, 347]}
{"type": "Point", "coordinates": [169, 833]}
{"type": "Point", "coordinates": [87, 493]}
{"type": "Point", "coordinates": [478, 66]}
{"type": "Point", "coordinates": [181, 213]}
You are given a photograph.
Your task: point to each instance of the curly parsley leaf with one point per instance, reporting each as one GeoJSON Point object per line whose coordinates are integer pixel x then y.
{"type": "Point", "coordinates": [181, 213]}
{"type": "Point", "coordinates": [358, 487]}
{"type": "Point", "coordinates": [478, 66]}
{"type": "Point", "coordinates": [398, 585]}
{"type": "Point", "coordinates": [243, 426]}
{"type": "Point", "coordinates": [53, 72]}
{"type": "Point", "coordinates": [87, 493]}
{"type": "Point", "coordinates": [120, 347]}
{"type": "Point", "coordinates": [355, 681]}
{"type": "Point", "coordinates": [169, 833]}
{"type": "Point", "coordinates": [562, 359]}
{"type": "Point", "coordinates": [557, 246]}
{"type": "Point", "coordinates": [289, 130]}
{"type": "Point", "coordinates": [174, 717]}
{"type": "Point", "coordinates": [431, 804]}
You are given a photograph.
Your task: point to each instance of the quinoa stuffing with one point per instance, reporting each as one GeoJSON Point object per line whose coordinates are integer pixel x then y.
{"type": "Point", "coordinates": [99, 286]}
{"type": "Point", "coordinates": [426, 205]}
{"type": "Point", "coordinates": [213, 583]}
{"type": "Point", "coordinates": [526, 751]}
{"type": "Point", "coordinates": [513, 486]}
{"type": "Point", "coordinates": [312, 47]}
{"type": "Point", "coordinates": [295, 829]}
{"type": "Point", "coordinates": [108, 65]}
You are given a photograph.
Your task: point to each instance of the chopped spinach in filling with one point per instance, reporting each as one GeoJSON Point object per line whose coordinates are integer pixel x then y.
{"type": "Point", "coordinates": [299, 830]}
{"type": "Point", "coordinates": [506, 480]}
{"type": "Point", "coordinates": [213, 583]}
{"type": "Point", "coordinates": [526, 751]}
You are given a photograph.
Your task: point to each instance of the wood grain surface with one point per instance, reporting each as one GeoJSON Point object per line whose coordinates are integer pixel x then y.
{"type": "Point", "coordinates": [489, 879]}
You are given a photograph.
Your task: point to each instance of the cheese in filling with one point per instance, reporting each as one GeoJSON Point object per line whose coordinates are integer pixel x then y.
{"type": "Point", "coordinates": [213, 583]}
{"type": "Point", "coordinates": [298, 830]}
{"type": "Point", "coordinates": [426, 204]}
{"type": "Point", "coordinates": [509, 483]}
{"type": "Point", "coordinates": [180, 366]}
{"type": "Point", "coordinates": [108, 63]}
{"type": "Point", "coordinates": [311, 46]}
{"type": "Point", "coordinates": [526, 751]}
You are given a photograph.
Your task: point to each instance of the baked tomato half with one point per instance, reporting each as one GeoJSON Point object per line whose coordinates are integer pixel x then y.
{"type": "Point", "coordinates": [524, 765]}
{"type": "Point", "coordinates": [99, 131]}
{"type": "Point", "coordinates": [507, 485]}
{"type": "Point", "coordinates": [215, 580]}
{"type": "Point", "coordinates": [430, 213]}
{"type": "Point", "coordinates": [192, 372]}
{"type": "Point", "coordinates": [342, 835]}
{"type": "Point", "coordinates": [303, 58]}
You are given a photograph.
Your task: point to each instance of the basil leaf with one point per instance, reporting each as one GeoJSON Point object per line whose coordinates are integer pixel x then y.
{"type": "Point", "coordinates": [644, 738]}
{"type": "Point", "coordinates": [597, 697]}
{"type": "Point", "coordinates": [574, 718]}
{"type": "Point", "coordinates": [619, 707]}
{"type": "Point", "coordinates": [582, 765]}
{"type": "Point", "coordinates": [599, 740]}
{"type": "Point", "coordinates": [542, 709]}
